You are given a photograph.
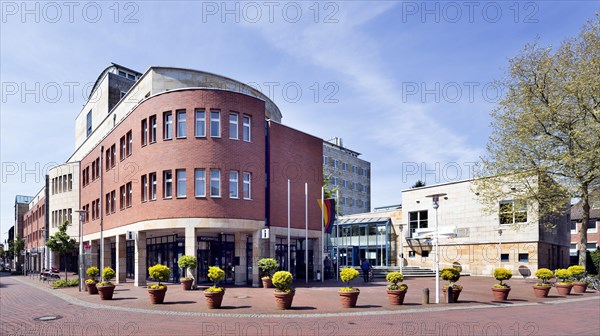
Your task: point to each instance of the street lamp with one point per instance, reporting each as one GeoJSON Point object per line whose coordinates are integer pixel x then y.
{"type": "Point", "coordinates": [82, 214]}
{"type": "Point", "coordinates": [436, 204]}
{"type": "Point", "coordinates": [500, 247]}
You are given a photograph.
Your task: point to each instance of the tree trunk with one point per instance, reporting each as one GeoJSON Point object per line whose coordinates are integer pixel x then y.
{"type": "Point", "coordinates": [585, 218]}
{"type": "Point", "coordinates": [65, 266]}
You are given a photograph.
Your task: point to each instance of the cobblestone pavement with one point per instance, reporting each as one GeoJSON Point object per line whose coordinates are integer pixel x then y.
{"type": "Point", "coordinates": [27, 306]}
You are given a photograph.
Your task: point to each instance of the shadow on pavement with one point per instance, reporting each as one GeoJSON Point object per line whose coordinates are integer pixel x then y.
{"type": "Point", "coordinates": [179, 302]}
{"type": "Point", "coordinates": [235, 307]}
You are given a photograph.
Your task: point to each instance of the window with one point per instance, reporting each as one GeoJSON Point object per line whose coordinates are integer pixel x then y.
{"type": "Point", "coordinates": [200, 182]}
{"type": "Point", "coordinates": [504, 257]}
{"type": "Point", "coordinates": [70, 177]}
{"type": "Point", "coordinates": [417, 220]}
{"type": "Point", "coordinates": [94, 210]}
{"type": "Point", "coordinates": [246, 132]}
{"type": "Point", "coordinates": [152, 122]}
{"type": "Point", "coordinates": [129, 195]}
{"type": "Point", "coordinates": [181, 124]}
{"type": "Point", "coordinates": [573, 226]}
{"type": "Point", "coordinates": [167, 126]}
{"type": "Point", "coordinates": [411, 254]}
{"type": "Point", "coordinates": [144, 188]}
{"type": "Point", "coordinates": [152, 179]}
{"type": "Point", "coordinates": [107, 204]}
{"type": "Point", "coordinates": [129, 145]}
{"type": "Point", "coordinates": [247, 185]}
{"type": "Point", "coordinates": [355, 169]}
{"type": "Point", "coordinates": [122, 146]}
{"type": "Point", "coordinates": [88, 124]}
{"type": "Point", "coordinates": [336, 164]}
{"type": "Point", "coordinates": [215, 183]}
{"type": "Point", "coordinates": [122, 197]}
{"type": "Point", "coordinates": [513, 211]}
{"type": "Point", "coordinates": [200, 128]}
{"type": "Point", "coordinates": [324, 159]}
{"type": "Point", "coordinates": [523, 257]}
{"type": "Point", "coordinates": [97, 173]}
{"type": "Point", "coordinates": [233, 184]}
{"type": "Point", "coordinates": [93, 172]}
{"type": "Point", "coordinates": [113, 201]}
{"type": "Point", "coordinates": [181, 178]}
{"type": "Point", "coordinates": [215, 124]}
{"type": "Point", "coordinates": [108, 156]}
{"type": "Point", "coordinates": [425, 254]}
{"type": "Point", "coordinates": [344, 166]}
{"type": "Point", "coordinates": [591, 246]}
{"type": "Point", "coordinates": [233, 126]}
{"type": "Point", "coordinates": [592, 225]}
{"type": "Point", "coordinates": [65, 182]}
{"type": "Point", "coordinates": [113, 155]}
{"type": "Point", "coordinates": [144, 132]}
{"type": "Point", "coordinates": [168, 184]}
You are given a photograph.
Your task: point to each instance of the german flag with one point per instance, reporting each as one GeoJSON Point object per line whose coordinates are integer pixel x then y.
{"type": "Point", "coordinates": [328, 214]}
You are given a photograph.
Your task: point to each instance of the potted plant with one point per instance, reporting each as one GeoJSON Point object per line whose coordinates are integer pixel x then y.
{"type": "Point", "coordinates": [501, 289]}
{"type": "Point", "coordinates": [214, 294]}
{"type": "Point", "coordinates": [284, 293]}
{"type": "Point", "coordinates": [541, 289]}
{"type": "Point", "coordinates": [90, 283]}
{"type": "Point", "coordinates": [451, 275]}
{"type": "Point", "coordinates": [106, 288]}
{"type": "Point", "coordinates": [187, 263]}
{"type": "Point", "coordinates": [267, 266]}
{"type": "Point", "coordinates": [564, 286]}
{"type": "Point", "coordinates": [159, 273]}
{"type": "Point", "coordinates": [348, 294]}
{"type": "Point", "coordinates": [578, 273]}
{"type": "Point", "coordinates": [396, 292]}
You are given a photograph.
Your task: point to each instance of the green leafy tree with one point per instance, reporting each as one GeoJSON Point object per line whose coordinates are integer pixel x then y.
{"type": "Point", "coordinates": [15, 247]}
{"type": "Point", "coordinates": [62, 243]}
{"type": "Point", "coordinates": [418, 184]}
{"type": "Point", "coordinates": [547, 125]}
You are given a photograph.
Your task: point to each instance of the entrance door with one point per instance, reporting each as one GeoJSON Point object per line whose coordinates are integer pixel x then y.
{"type": "Point", "coordinates": [216, 251]}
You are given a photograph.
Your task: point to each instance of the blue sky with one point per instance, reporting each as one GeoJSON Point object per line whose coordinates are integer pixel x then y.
{"type": "Point", "coordinates": [408, 84]}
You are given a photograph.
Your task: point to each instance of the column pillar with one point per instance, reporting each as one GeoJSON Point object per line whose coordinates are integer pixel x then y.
{"type": "Point", "coordinates": [107, 253]}
{"type": "Point", "coordinates": [257, 253]}
{"type": "Point", "coordinates": [191, 248]}
{"type": "Point", "coordinates": [140, 259]}
{"type": "Point", "coordinates": [121, 256]}
{"type": "Point", "coordinates": [240, 252]}
{"type": "Point", "coordinates": [93, 258]}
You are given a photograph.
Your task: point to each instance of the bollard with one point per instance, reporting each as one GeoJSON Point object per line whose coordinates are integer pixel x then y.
{"type": "Point", "coordinates": [425, 295]}
{"type": "Point", "coordinates": [449, 294]}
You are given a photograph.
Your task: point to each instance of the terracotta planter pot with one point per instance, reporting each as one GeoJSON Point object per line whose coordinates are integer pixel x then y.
{"type": "Point", "coordinates": [186, 284]}
{"type": "Point", "coordinates": [541, 291]}
{"type": "Point", "coordinates": [157, 296]}
{"type": "Point", "coordinates": [106, 292]}
{"type": "Point", "coordinates": [214, 299]}
{"type": "Point", "coordinates": [396, 297]}
{"type": "Point", "coordinates": [579, 287]}
{"type": "Point", "coordinates": [455, 294]}
{"type": "Point", "coordinates": [563, 289]}
{"type": "Point", "coordinates": [267, 283]}
{"type": "Point", "coordinates": [500, 294]}
{"type": "Point", "coordinates": [284, 300]}
{"type": "Point", "coordinates": [91, 288]}
{"type": "Point", "coordinates": [349, 298]}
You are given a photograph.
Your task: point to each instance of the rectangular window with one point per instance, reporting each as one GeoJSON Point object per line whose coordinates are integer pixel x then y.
{"type": "Point", "coordinates": [144, 193]}
{"type": "Point", "coordinates": [129, 196]}
{"type": "Point", "coordinates": [200, 127]}
{"type": "Point", "coordinates": [152, 184]}
{"type": "Point", "coordinates": [113, 155]}
{"type": "Point", "coordinates": [573, 226]}
{"type": "Point", "coordinates": [215, 124]}
{"type": "Point", "coordinates": [168, 184]}
{"type": "Point", "coordinates": [200, 182]}
{"type": "Point", "coordinates": [215, 183]}
{"type": "Point", "coordinates": [60, 182]}
{"type": "Point", "coordinates": [129, 139]}
{"type": "Point", "coordinates": [412, 254]}
{"type": "Point", "coordinates": [247, 185]}
{"type": "Point", "coordinates": [97, 172]}
{"type": "Point", "coordinates": [107, 159]}
{"type": "Point", "coordinates": [167, 126]}
{"type": "Point", "coordinates": [344, 166]}
{"type": "Point", "coordinates": [591, 246]}
{"type": "Point", "coordinates": [324, 159]}
{"type": "Point", "coordinates": [113, 201]}
{"type": "Point", "coordinates": [512, 211]}
{"type": "Point", "coordinates": [233, 184]}
{"type": "Point", "coordinates": [523, 257]}
{"type": "Point", "coordinates": [88, 124]}
{"type": "Point", "coordinates": [246, 132]}
{"type": "Point", "coordinates": [181, 124]}
{"type": "Point", "coordinates": [152, 123]}
{"type": "Point", "coordinates": [233, 126]}
{"type": "Point", "coordinates": [144, 131]}
{"type": "Point", "coordinates": [425, 254]}
{"type": "Point", "coordinates": [181, 179]}
{"type": "Point", "coordinates": [504, 257]}
{"type": "Point", "coordinates": [122, 146]}
{"type": "Point", "coordinates": [107, 204]}
{"type": "Point", "coordinates": [592, 225]}
{"type": "Point", "coordinates": [417, 220]}
{"type": "Point", "coordinates": [93, 172]}
{"type": "Point", "coordinates": [122, 197]}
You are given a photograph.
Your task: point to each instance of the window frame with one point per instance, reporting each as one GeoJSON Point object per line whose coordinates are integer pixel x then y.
{"type": "Point", "coordinates": [181, 124]}
{"type": "Point", "coordinates": [181, 183]}
{"type": "Point", "coordinates": [248, 127]}
{"type": "Point", "coordinates": [199, 178]}
{"type": "Point", "coordinates": [202, 120]}
{"type": "Point", "coordinates": [168, 125]}
{"type": "Point", "coordinates": [167, 184]}
{"type": "Point", "coordinates": [234, 184]}
{"type": "Point", "coordinates": [216, 180]}
{"type": "Point", "coordinates": [247, 181]}
{"type": "Point", "coordinates": [234, 125]}
{"type": "Point", "coordinates": [152, 129]}
{"type": "Point", "coordinates": [217, 121]}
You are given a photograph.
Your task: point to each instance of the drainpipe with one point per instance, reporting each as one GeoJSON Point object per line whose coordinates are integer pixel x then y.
{"type": "Point", "coordinates": [101, 206]}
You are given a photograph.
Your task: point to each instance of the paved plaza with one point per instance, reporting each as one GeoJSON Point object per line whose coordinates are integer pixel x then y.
{"type": "Point", "coordinates": [316, 311]}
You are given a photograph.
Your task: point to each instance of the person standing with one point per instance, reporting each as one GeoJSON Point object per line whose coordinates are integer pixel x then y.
{"type": "Point", "coordinates": [366, 267]}
{"type": "Point", "coordinates": [327, 264]}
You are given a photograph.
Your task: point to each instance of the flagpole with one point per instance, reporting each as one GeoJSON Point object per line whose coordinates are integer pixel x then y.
{"type": "Point", "coordinates": [322, 236]}
{"type": "Point", "coordinates": [337, 255]}
{"type": "Point", "coordinates": [289, 267]}
{"type": "Point", "coordinates": [306, 230]}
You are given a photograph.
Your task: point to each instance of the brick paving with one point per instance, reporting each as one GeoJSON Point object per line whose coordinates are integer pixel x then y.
{"type": "Point", "coordinates": [317, 311]}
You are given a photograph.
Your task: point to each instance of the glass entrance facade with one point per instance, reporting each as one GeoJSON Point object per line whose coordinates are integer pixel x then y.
{"type": "Point", "coordinates": [218, 250]}
{"type": "Point", "coordinates": [165, 250]}
{"type": "Point", "coordinates": [355, 239]}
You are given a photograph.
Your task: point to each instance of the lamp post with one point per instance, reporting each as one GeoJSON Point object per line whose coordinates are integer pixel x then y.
{"type": "Point", "coordinates": [82, 214]}
{"type": "Point", "coordinates": [401, 247]}
{"type": "Point", "coordinates": [500, 247]}
{"type": "Point", "coordinates": [436, 204]}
